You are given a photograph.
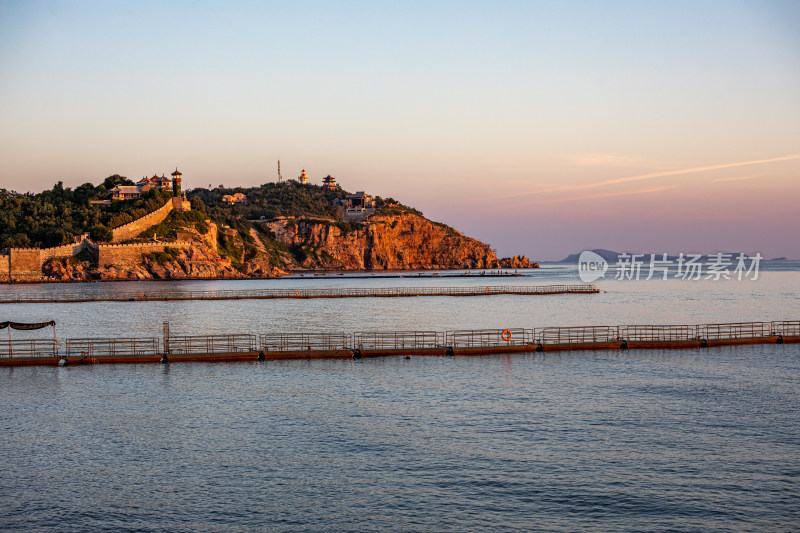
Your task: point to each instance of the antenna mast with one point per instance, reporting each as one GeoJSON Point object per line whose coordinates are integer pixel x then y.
{"type": "Point", "coordinates": [280, 178]}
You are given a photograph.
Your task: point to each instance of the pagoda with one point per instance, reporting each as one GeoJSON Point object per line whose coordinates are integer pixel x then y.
{"type": "Point", "coordinates": [329, 182]}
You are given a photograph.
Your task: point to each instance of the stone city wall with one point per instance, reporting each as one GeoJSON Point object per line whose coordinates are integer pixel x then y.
{"type": "Point", "coordinates": [5, 268]}
{"type": "Point", "coordinates": [132, 229]}
{"type": "Point", "coordinates": [130, 255]}
{"type": "Point", "coordinates": [25, 264]}
{"type": "Point", "coordinates": [67, 250]}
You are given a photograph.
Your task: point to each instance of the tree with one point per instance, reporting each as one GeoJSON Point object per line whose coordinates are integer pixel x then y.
{"type": "Point", "coordinates": [112, 181]}
{"type": "Point", "coordinates": [198, 205]}
{"type": "Point", "coordinates": [101, 233]}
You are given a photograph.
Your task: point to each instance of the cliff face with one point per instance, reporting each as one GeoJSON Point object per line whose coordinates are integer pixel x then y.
{"type": "Point", "coordinates": [197, 259]}
{"type": "Point", "coordinates": [385, 242]}
{"type": "Point", "coordinates": [195, 262]}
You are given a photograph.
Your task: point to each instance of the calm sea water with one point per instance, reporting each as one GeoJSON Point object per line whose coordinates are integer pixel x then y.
{"type": "Point", "coordinates": [677, 440]}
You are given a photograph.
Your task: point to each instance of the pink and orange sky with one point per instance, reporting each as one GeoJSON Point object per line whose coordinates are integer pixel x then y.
{"type": "Point", "coordinates": [543, 128]}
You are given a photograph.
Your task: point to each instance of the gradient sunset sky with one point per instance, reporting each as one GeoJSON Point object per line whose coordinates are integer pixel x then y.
{"type": "Point", "coordinates": [543, 128]}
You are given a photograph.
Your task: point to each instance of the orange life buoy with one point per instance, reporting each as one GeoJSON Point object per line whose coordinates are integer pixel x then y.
{"type": "Point", "coordinates": [506, 335]}
{"type": "Point", "coordinates": [297, 293]}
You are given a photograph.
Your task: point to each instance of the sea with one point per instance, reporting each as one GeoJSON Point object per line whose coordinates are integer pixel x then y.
{"type": "Point", "coordinates": [637, 440]}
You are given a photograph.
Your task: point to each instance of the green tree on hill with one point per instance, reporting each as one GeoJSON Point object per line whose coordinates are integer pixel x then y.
{"type": "Point", "coordinates": [53, 217]}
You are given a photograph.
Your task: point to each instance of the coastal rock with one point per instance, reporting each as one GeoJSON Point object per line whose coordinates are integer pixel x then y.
{"type": "Point", "coordinates": [67, 269]}
{"type": "Point", "coordinates": [385, 242]}
{"type": "Point", "coordinates": [518, 261]}
{"type": "Point", "coordinates": [261, 269]}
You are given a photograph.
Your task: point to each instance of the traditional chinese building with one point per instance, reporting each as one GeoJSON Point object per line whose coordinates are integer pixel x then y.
{"type": "Point", "coordinates": [237, 198]}
{"type": "Point", "coordinates": [329, 182]}
{"type": "Point", "coordinates": [125, 192]}
{"type": "Point", "coordinates": [161, 183]}
{"type": "Point", "coordinates": [359, 201]}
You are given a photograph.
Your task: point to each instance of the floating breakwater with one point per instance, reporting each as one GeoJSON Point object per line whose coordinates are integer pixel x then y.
{"type": "Point", "coordinates": [301, 293]}
{"type": "Point", "coordinates": [246, 346]}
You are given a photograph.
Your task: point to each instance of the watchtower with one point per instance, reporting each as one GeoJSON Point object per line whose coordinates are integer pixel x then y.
{"type": "Point", "coordinates": [176, 183]}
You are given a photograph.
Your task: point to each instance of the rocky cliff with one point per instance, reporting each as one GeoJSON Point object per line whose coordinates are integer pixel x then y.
{"type": "Point", "coordinates": [384, 242]}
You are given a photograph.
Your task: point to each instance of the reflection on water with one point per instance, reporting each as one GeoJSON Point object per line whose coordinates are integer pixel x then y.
{"type": "Point", "coordinates": [689, 440]}
{"type": "Point", "coordinates": [679, 440]}
{"type": "Point", "coordinates": [774, 296]}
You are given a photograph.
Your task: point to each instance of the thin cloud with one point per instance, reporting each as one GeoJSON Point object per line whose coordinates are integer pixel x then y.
{"type": "Point", "coordinates": [739, 178]}
{"type": "Point", "coordinates": [649, 176]}
{"type": "Point", "coordinates": [609, 194]}
{"type": "Point", "coordinates": [690, 171]}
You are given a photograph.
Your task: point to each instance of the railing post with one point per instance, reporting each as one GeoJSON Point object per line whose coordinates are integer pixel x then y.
{"type": "Point", "coordinates": [166, 337]}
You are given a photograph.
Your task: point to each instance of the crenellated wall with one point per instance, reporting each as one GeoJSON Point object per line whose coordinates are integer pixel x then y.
{"type": "Point", "coordinates": [130, 255]}
{"type": "Point", "coordinates": [67, 250]}
{"type": "Point", "coordinates": [25, 264]}
{"type": "Point", "coordinates": [132, 229]}
{"type": "Point", "coordinates": [5, 268]}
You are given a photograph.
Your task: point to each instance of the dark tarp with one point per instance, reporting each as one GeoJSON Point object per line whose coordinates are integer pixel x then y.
{"type": "Point", "coordinates": [20, 325]}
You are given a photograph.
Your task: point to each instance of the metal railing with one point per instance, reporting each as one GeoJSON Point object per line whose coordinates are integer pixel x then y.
{"type": "Point", "coordinates": [735, 330]}
{"type": "Point", "coordinates": [188, 344]}
{"type": "Point", "coordinates": [122, 346]}
{"type": "Point", "coordinates": [489, 337]}
{"type": "Point", "coordinates": [377, 340]}
{"type": "Point", "coordinates": [328, 292]}
{"type": "Point", "coordinates": [786, 328]}
{"type": "Point", "coordinates": [657, 333]}
{"type": "Point", "coordinates": [580, 334]}
{"type": "Point", "coordinates": [395, 340]}
{"type": "Point", "coordinates": [290, 342]}
{"type": "Point", "coordinates": [29, 348]}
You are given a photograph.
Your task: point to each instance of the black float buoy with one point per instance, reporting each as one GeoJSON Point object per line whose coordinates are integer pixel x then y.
{"type": "Point", "coordinates": [780, 340]}
{"type": "Point", "coordinates": [261, 356]}
{"type": "Point", "coordinates": [356, 354]}
{"type": "Point", "coordinates": [624, 345]}
{"type": "Point", "coordinates": [449, 351]}
{"type": "Point", "coordinates": [408, 357]}
{"type": "Point", "coordinates": [164, 359]}
{"type": "Point", "coordinates": [539, 347]}
{"type": "Point", "coordinates": [703, 343]}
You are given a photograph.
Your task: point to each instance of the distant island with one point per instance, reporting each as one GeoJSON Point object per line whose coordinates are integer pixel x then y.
{"type": "Point", "coordinates": [151, 229]}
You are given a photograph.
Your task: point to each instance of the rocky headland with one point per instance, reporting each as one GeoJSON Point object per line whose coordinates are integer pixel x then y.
{"type": "Point", "coordinates": [208, 238]}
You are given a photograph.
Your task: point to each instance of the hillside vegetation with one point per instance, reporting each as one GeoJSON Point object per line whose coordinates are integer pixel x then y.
{"type": "Point", "coordinates": [55, 216]}
{"type": "Point", "coordinates": [247, 230]}
{"type": "Point", "coordinates": [269, 201]}
{"type": "Point", "coordinates": [281, 227]}
{"type": "Point", "coordinates": [289, 198]}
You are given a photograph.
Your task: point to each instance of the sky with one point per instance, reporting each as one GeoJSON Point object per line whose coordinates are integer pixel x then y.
{"type": "Point", "coordinates": [542, 128]}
